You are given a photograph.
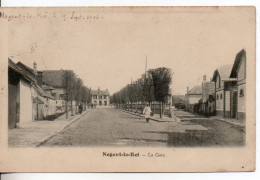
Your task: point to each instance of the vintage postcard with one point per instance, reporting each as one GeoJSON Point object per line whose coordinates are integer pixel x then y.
{"type": "Point", "coordinates": [127, 89]}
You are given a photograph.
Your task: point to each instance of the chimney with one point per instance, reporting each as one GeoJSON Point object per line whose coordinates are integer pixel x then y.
{"type": "Point", "coordinates": [187, 89]}
{"type": "Point", "coordinates": [35, 68]}
{"type": "Point", "coordinates": [204, 77]}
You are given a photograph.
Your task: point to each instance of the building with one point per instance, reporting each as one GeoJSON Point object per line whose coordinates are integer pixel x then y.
{"type": "Point", "coordinates": [47, 106]}
{"type": "Point", "coordinates": [225, 88]}
{"type": "Point", "coordinates": [193, 97]}
{"type": "Point", "coordinates": [54, 81]}
{"type": "Point", "coordinates": [26, 100]}
{"type": "Point", "coordinates": [208, 104]}
{"type": "Point", "coordinates": [18, 81]}
{"type": "Point", "coordinates": [238, 72]}
{"type": "Point", "coordinates": [100, 97]}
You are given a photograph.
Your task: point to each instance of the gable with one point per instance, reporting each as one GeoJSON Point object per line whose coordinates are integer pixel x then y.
{"type": "Point", "coordinates": [240, 57]}
{"type": "Point", "coordinates": [241, 72]}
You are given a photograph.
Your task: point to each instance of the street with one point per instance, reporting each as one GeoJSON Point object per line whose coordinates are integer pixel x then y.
{"type": "Point", "coordinates": [110, 127]}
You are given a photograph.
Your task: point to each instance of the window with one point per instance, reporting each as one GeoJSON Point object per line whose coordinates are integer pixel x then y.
{"type": "Point", "coordinates": [221, 96]}
{"type": "Point", "coordinates": [100, 97]}
{"type": "Point", "coordinates": [105, 97]}
{"type": "Point", "coordinates": [241, 92]}
{"type": "Point", "coordinates": [94, 97]}
{"type": "Point", "coordinates": [217, 96]}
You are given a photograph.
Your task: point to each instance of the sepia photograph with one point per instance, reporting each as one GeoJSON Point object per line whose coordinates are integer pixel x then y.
{"type": "Point", "coordinates": [129, 77]}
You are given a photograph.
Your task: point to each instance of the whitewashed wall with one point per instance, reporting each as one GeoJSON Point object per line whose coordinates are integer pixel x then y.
{"type": "Point", "coordinates": [193, 99]}
{"type": "Point", "coordinates": [26, 102]}
{"type": "Point", "coordinates": [241, 99]}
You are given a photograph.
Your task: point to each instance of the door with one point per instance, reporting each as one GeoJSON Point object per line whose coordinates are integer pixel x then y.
{"type": "Point", "coordinates": [12, 106]}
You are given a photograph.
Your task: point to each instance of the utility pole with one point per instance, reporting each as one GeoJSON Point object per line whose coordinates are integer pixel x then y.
{"type": "Point", "coordinates": [145, 66]}
{"type": "Point", "coordinates": [144, 89]}
{"type": "Point", "coordinates": [66, 81]}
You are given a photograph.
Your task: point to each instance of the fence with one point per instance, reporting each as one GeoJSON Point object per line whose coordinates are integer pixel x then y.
{"type": "Point", "coordinates": [156, 107]}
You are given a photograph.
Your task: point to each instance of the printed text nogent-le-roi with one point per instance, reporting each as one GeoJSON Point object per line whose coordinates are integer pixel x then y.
{"type": "Point", "coordinates": [133, 154]}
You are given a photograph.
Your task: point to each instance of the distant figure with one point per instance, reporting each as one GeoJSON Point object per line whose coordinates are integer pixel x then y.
{"type": "Point", "coordinates": [147, 112]}
{"type": "Point", "coordinates": [80, 108]}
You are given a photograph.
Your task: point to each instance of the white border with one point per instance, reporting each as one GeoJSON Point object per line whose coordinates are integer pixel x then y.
{"type": "Point", "coordinates": [7, 3]}
{"type": "Point", "coordinates": [151, 176]}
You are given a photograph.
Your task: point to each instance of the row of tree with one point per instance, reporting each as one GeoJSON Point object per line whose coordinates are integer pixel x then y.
{"type": "Point", "coordinates": [75, 90]}
{"type": "Point", "coordinates": [152, 86]}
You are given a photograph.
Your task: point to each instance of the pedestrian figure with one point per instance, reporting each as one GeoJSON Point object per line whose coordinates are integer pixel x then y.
{"type": "Point", "coordinates": [80, 108]}
{"type": "Point", "coordinates": [147, 112]}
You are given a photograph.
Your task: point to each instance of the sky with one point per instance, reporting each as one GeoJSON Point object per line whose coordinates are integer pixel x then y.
{"type": "Point", "coordinates": [109, 52]}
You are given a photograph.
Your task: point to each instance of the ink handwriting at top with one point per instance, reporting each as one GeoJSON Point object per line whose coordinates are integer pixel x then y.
{"type": "Point", "coordinates": [68, 16]}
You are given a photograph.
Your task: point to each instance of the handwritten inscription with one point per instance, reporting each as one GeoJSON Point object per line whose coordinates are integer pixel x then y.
{"type": "Point", "coordinates": [73, 16]}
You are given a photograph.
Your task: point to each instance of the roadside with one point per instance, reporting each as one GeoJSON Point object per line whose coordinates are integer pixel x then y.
{"type": "Point", "coordinates": [38, 132]}
{"type": "Point", "coordinates": [235, 123]}
{"type": "Point", "coordinates": [184, 116]}
{"type": "Point", "coordinates": [187, 116]}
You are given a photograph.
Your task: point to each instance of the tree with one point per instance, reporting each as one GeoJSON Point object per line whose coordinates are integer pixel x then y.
{"type": "Point", "coordinates": [85, 94]}
{"type": "Point", "coordinates": [68, 83]}
{"type": "Point", "coordinates": [78, 90]}
{"type": "Point", "coordinates": [148, 90]}
{"type": "Point", "coordinates": [74, 90]}
{"type": "Point", "coordinates": [155, 85]}
{"type": "Point", "coordinates": [162, 78]}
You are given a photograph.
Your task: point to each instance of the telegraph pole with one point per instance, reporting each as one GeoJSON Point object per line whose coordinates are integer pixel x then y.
{"type": "Point", "coordinates": [145, 66]}
{"type": "Point", "coordinates": [145, 70]}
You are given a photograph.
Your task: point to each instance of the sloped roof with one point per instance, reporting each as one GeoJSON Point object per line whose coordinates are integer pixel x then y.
{"type": "Point", "coordinates": [42, 92]}
{"type": "Point", "coordinates": [27, 69]}
{"type": "Point", "coordinates": [46, 87]}
{"type": "Point", "coordinates": [30, 70]}
{"type": "Point", "coordinates": [100, 92]}
{"type": "Point", "coordinates": [196, 90]}
{"type": "Point", "coordinates": [237, 61]}
{"type": "Point", "coordinates": [53, 78]}
{"type": "Point", "coordinates": [12, 65]}
{"type": "Point", "coordinates": [19, 70]}
{"type": "Point", "coordinates": [223, 71]}
{"type": "Point", "coordinates": [22, 69]}
{"type": "Point", "coordinates": [208, 88]}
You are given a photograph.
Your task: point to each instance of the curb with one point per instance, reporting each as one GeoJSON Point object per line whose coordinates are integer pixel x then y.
{"type": "Point", "coordinates": [44, 140]}
{"type": "Point", "coordinates": [239, 126]}
{"type": "Point", "coordinates": [189, 119]}
{"type": "Point", "coordinates": [141, 115]}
